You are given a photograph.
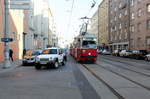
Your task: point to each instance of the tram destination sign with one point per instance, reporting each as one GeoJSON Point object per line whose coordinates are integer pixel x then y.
{"type": "Point", "coordinates": [19, 4]}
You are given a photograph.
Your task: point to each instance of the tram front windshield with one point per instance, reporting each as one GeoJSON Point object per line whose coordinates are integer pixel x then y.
{"type": "Point", "coordinates": [89, 44]}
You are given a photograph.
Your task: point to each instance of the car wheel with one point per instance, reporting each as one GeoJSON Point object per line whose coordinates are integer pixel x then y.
{"type": "Point", "coordinates": [23, 64]}
{"type": "Point", "coordinates": [64, 62]}
{"type": "Point", "coordinates": [37, 67]}
{"type": "Point", "coordinates": [146, 58]}
{"type": "Point", "coordinates": [56, 64]}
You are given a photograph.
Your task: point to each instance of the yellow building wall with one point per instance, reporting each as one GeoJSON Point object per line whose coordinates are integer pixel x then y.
{"type": "Point", "coordinates": [103, 22]}
{"type": "Point", "coordinates": [17, 16]}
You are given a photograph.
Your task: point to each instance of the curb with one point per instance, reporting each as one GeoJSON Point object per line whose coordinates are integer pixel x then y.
{"type": "Point", "coordinates": [14, 66]}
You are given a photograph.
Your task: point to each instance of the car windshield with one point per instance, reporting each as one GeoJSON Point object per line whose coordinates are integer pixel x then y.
{"type": "Point", "coordinates": [29, 53]}
{"type": "Point", "coordinates": [35, 53]}
{"type": "Point", "coordinates": [50, 51]}
{"type": "Point", "coordinates": [89, 44]}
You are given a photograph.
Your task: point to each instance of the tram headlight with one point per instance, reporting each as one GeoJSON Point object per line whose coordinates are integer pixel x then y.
{"type": "Point", "coordinates": [83, 51]}
{"type": "Point", "coordinates": [89, 53]}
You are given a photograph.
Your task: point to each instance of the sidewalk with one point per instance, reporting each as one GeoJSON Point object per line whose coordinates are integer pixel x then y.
{"type": "Point", "coordinates": [14, 64]}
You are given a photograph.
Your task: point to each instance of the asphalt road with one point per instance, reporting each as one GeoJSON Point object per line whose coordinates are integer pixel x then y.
{"type": "Point", "coordinates": [66, 82]}
{"type": "Point", "coordinates": [110, 78]}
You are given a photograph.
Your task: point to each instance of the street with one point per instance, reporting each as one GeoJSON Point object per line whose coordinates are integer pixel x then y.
{"type": "Point", "coordinates": [109, 78]}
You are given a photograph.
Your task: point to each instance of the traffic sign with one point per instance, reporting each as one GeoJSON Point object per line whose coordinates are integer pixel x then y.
{"type": "Point", "coordinates": [20, 4]}
{"type": "Point", "coordinates": [6, 39]}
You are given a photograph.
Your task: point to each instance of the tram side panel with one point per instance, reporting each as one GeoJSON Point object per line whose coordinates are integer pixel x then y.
{"type": "Point", "coordinates": [86, 55]}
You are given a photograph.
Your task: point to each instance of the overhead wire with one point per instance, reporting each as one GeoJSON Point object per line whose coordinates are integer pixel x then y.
{"type": "Point", "coordinates": [70, 17]}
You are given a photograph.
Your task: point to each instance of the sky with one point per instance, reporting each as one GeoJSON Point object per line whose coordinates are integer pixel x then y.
{"type": "Point", "coordinates": [67, 17]}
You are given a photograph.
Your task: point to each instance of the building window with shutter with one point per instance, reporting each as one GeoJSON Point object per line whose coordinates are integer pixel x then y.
{"type": "Point", "coordinates": [148, 24]}
{"type": "Point", "coordinates": [148, 7]}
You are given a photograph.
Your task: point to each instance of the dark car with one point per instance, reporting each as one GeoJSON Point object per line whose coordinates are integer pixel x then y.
{"type": "Point", "coordinates": [138, 54]}
{"type": "Point", "coordinates": [29, 57]}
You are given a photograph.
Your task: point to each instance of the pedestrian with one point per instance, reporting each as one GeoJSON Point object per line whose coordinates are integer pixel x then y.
{"type": "Point", "coordinates": [24, 52]}
{"type": "Point", "coordinates": [11, 54]}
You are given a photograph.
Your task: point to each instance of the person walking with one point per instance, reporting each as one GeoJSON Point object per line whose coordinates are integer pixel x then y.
{"type": "Point", "coordinates": [11, 55]}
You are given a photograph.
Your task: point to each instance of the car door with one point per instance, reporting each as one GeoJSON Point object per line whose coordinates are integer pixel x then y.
{"type": "Point", "coordinates": [60, 55]}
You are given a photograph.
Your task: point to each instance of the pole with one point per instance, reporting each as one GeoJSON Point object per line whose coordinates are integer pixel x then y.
{"type": "Point", "coordinates": [98, 27]}
{"type": "Point", "coordinates": [129, 35]}
{"type": "Point", "coordinates": [6, 35]}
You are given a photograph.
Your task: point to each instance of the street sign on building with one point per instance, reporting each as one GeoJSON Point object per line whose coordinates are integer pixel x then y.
{"type": "Point", "coordinates": [6, 39]}
{"type": "Point", "coordinates": [19, 4]}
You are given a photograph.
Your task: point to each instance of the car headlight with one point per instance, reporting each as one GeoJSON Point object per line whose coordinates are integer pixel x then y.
{"type": "Point", "coordinates": [37, 59]}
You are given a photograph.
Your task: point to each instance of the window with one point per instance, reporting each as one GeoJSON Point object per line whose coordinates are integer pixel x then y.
{"type": "Point", "coordinates": [139, 12]}
{"type": "Point", "coordinates": [120, 26]}
{"type": "Point", "coordinates": [120, 15]}
{"type": "Point", "coordinates": [148, 41]}
{"type": "Point", "coordinates": [148, 8]}
{"type": "Point", "coordinates": [126, 13]}
{"type": "Point", "coordinates": [132, 2]}
{"type": "Point", "coordinates": [131, 43]}
{"type": "Point", "coordinates": [132, 28]}
{"type": "Point", "coordinates": [89, 44]}
{"type": "Point", "coordinates": [132, 16]}
{"type": "Point", "coordinates": [120, 36]}
{"type": "Point", "coordinates": [148, 24]}
{"type": "Point", "coordinates": [49, 51]}
{"type": "Point", "coordinates": [138, 27]}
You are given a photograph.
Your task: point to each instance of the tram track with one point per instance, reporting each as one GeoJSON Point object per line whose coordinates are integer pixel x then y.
{"type": "Point", "coordinates": [118, 95]}
{"type": "Point", "coordinates": [123, 62]}
{"type": "Point", "coordinates": [114, 91]}
{"type": "Point", "coordinates": [122, 67]}
{"type": "Point", "coordinates": [125, 77]}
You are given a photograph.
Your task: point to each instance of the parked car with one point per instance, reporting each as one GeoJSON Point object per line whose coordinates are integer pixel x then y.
{"type": "Point", "coordinates": [125, 53]}
{"type": "Point", "coordinates": [116, 52]}
{"type": "Point", "coordinates": [138, 54]}
{"type": "Point", "coordinates": [29, 57]}
{"type": "Point", "coordinates": [50, 57]}
{"type": "Point", "coordinates": [99, 51]}
{"type": "Point", "coordinates": [147, 57]}
{"type": "Point", "coordinates": [106, 52]}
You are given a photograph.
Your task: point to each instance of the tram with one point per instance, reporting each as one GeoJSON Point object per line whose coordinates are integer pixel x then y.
{"type": "Point", "coordinates": [84, 48]}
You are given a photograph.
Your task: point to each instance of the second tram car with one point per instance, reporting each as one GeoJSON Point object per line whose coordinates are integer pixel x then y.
{"type": "Point", "coordinates": [84, 48]}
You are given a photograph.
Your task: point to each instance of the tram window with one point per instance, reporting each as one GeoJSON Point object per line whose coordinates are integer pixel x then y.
{"type": "Point", "coordinates": [89, 44]}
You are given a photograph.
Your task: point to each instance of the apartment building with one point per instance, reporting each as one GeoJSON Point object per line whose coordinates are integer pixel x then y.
{"type": "Point", "coordinates": [103, 24]}
{"type": "Point", "coordinates": [93, 24]}
{"type": "Point", "coordinates": [140, 24]}
{"type": "Point", "coordinates": [119, 24]}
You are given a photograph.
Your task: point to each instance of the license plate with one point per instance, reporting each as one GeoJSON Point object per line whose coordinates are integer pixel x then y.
{"type": "Point", "coordinates": [43, 62]}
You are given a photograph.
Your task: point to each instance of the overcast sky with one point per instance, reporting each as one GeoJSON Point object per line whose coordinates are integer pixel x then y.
{"type": "Point", "coordinates": [67, 24]}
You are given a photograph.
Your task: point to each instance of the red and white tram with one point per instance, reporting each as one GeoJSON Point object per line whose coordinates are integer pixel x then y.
{"type": "Point", "coordinates": [84, 48]}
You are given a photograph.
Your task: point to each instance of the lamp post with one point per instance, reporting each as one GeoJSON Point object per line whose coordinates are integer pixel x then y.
{"type": "Point", "coordinates": [6, 35]}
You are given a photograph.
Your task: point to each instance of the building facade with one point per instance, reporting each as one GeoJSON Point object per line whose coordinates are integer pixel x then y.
{"type": "Point", "coordinates": [119, 24]}
{"type": "Point", "coordinates": [15, 31]}
{"type": "Point", "coordinates": [140, 24]}
{"type": "Point", "coordinates": [93, 24]}
{"type": "Point", "coordinates": [103, 24]}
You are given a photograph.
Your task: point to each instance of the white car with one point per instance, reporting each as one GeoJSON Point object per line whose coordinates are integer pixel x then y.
{"type": "Point", "coordinates": [50, 57]}
{"type": "Point", "coordinates": [125, 53]}
{"type": "Point", "coordinates": [106, 52]}
{"type": "Point", "coordinates": [147, 57]}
